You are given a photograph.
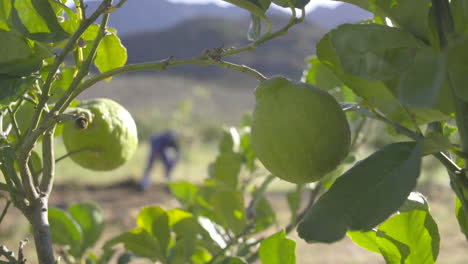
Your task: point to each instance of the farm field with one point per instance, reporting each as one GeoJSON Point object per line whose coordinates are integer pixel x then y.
{"type": "Point", "coordinates": [200, 109]}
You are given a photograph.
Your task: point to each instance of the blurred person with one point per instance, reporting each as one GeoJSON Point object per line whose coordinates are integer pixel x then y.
{"type": "Point", "coordinates": [164, 146]}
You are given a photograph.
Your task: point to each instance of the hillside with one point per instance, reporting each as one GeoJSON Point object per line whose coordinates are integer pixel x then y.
{"type": "Point", "coordinates": [157, 15]}
{"type": "Point", "coordinates": [285, 55]}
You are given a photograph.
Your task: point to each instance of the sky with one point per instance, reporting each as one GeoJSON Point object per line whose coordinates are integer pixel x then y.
{"type": "Point", "coordinates": [313, 3]}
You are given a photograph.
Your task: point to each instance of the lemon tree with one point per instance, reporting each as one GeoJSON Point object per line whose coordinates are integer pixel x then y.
{"type": "Point", "coordinates": [104, 142]}
{"type": "Point", "coordinates": [405, 68]}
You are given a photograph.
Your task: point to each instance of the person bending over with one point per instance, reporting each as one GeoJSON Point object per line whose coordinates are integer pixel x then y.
{"type": "Point", "coordinates": [166, 148]}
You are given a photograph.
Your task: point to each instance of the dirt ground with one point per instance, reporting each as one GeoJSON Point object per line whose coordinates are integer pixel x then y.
{"type": "Point", "coordinates": [122, 201]}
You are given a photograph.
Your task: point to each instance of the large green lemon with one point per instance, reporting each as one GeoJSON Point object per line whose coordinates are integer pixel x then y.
{"type": "Point", "coordinates": [105, 143]}
{"type": "Point", "coordinates": [299, 132]}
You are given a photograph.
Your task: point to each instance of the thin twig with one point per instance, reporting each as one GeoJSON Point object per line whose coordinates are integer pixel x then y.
{"type": "Point", "coordinates": [5, 210]}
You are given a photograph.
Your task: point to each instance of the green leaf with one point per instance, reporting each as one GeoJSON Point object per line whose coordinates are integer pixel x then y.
{"type": "Point", "coordinates": [233, 260]}
{"type": "Point", "coordinates": [140, 242]}
{"type": "Point", "coordinates": [18, 55]}
{"type": "Point", "coordinates": [415, 228]}
{"type": "Point", "coordinates": [410, 236]}
{"type": "Point", "coordinates": [458, 67]}
{"type": "Point", "coordinates": [459, 10]}
{"type": "Point", "coordinates": [110, 54]}
{"type": "Point", "coordinates": [421, 85]}
{"type": "Point", "coordinates": [295, 3]}
{"type": "Point", "coordinates": [155, 221]}
{"type": "Point", "coordinates": [65, 230]}
{"type": "Point", "coordinates": [410, 15]}
{"type": "Point", "coordinates": [5, 8]}
{"type": "Point", "coordinates": [255, 28]}
{"type": "Point", "coordinates": [147, 216]}
{"type": "Point", "coordinates": [11, 88]}
{"type": "Point", "coordinates": [264, 215]}
{"type": "Point", "coordinates": [185, 192]}
{"type": "Point", "coordinates": [247, 148]}
{"type": "Point", "coordinates": [321, 76]}
{"type": "Point", "coordinates": [367, 240]}
{"type": "Point", "coordinates": [255, 7]}
{"type": "Point", "coordinates": [226, 168]}
{"type": "Point", "coordinates": [365, 195]}
{"type": "Point", "coordinates": [374, 52]}
{"type": "Point", "coordinates": [230, 140]}
{"type": "Point", "coordinates": [277, 249]}
{"type": "Point", "coordinates": [62, 83]}
{"type": "Point", "coordinates": [36, 20]}
{"type": "Point", "coordinates": [200, 256]}
{"type": "Point", "coordinates": [461, 217]}
{"type": "Point", "coordinates": [436, 142]}
{"type": "Point", "coordinates": [91, 221]}
{"type": "Point", "coordinates": [229, 209]}
{"type": "Point", "coordinates": [376, 93]}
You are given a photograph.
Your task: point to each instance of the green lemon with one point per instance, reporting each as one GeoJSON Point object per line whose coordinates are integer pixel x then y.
{"type": "Point", "coordinates": [299, 132]}
{"type": "Point", "coordinates": [107, 141]}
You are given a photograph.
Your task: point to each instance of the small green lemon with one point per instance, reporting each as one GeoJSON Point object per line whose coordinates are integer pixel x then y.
{"type": "Point", "coordinates": [299, 132]}
{"type": "Point", "coordinates": [107, 142]}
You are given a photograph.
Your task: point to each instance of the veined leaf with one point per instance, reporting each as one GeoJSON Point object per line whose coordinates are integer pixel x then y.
{"type": "Point", "coordinates": [410, 236]}
{"type": "Point", "coordinates": [377, 94]}
{"type": "Point", "coordinates": [365, 195]}
{"type": "Point", "coordinates": [36, 19]}
{"type": "Point", "coordinates": [374, 52]}
{"type": "Point", "coordinates": [277, 249]}
{"type": "Point", "coordinates": [110, 54]}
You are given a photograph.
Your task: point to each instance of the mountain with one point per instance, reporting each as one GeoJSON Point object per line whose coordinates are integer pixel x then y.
{"type": "Point", "coordinates": [285, 55]}
{"type": "Point", "coordinates": [156, 15]}
{"type": "Point", "coordinates": [331, 17]}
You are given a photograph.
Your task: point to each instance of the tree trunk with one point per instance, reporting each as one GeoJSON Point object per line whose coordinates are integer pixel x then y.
{"type": "Point", "coordinates": [38, 217]}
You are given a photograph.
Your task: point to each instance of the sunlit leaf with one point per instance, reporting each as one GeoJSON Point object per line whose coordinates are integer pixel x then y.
{"type": "Point", "coordinates": [110, 54]}
{"type": "Point", "coordinates": [140, 242]}
{"type": "Point", "coordinates": [277, 249]}
{"type": "Point", "coordinates": [36, 19]}
{"type": "Point", "coordinates": [5, 8]}
{"type": "Point", "coordinates": [410, 236]}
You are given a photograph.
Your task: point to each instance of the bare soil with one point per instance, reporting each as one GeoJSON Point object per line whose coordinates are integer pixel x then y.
{"type": "Point", "coordinates": [122, 201]}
